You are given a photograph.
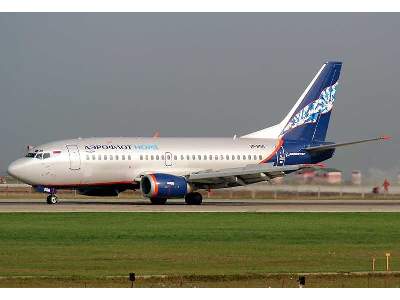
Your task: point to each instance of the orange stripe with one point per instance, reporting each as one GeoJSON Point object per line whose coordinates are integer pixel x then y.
{"type": "Point", "coordinates": [278, 145]}
{"type": "Point", "coordinates": [89, 184]}
{"type": "Point", "coordinates": [155, 185]}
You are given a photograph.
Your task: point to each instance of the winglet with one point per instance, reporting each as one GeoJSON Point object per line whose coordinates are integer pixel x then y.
{"type": "Point", "coordinates": [156, 134]}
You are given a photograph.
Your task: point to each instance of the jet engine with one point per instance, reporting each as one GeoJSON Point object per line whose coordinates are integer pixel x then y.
{"type": "Point", "coordinates": [161, 185]}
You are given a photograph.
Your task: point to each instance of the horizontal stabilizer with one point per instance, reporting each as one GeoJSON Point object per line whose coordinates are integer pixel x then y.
{"type": "Point", "coordinates": [333, 146]}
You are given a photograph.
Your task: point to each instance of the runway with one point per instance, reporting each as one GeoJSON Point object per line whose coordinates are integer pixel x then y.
{"type": "Point", "coordinates": [209, 205]}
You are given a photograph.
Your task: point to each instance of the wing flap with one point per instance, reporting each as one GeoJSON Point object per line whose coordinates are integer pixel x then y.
{"type": "Point", "coordinates": [242, 176]}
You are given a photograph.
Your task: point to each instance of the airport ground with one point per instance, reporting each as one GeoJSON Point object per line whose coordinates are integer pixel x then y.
{"type": "Point", "coordinates": [198, 249]}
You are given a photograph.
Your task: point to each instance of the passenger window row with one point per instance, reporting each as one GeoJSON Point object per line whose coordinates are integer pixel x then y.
{"type": "Point", "coordinates": [108, 157]}
{"type": "Point", "coordinates": [202, 157]}
{"type": "Point", "coordinates": [174, 157]}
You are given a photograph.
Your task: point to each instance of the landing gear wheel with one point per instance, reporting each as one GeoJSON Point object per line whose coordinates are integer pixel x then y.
{"type": "Point", "coordinates": [158, 201]}
{"type": "Point", "coordinates": [52, 199]}
{"type": "Point", "coordinates": [193, 198]}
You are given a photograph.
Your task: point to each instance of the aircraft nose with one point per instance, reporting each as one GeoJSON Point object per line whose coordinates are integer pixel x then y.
{"type": "Point", "coordinates": [15, 169]}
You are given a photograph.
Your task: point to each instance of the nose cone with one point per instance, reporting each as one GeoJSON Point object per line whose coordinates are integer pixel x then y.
{"type": "Point", "coordinates": [16, 169]}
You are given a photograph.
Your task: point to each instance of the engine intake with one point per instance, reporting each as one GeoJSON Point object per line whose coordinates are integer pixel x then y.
{"type": "Point", "coordinates": [161, 185]}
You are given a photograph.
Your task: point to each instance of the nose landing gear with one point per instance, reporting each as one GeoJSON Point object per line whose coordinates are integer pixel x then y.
{"type": "Point", "coordinates": [52, 199]}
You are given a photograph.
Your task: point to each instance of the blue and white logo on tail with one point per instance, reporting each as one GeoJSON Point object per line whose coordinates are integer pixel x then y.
{"type": "Point", "coordinates": [309, 120]}
{"type": "Point", "coordinates": [311, 112]}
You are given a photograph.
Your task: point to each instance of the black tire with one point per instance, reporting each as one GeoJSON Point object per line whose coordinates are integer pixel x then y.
{"type": "Point", "coordinates": [52, 199]}
{"type": "Point", "coordinates": [158, 201]}
{"type": "Point", "coordinates": [194, 198]}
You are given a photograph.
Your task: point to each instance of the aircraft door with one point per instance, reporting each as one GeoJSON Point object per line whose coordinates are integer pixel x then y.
{"type": "Point", "coordinates": [281, 157]}
{"type": "Point", "coordinates": [168, 159]}
{"type": "Point", "coordinates": [74, 157]}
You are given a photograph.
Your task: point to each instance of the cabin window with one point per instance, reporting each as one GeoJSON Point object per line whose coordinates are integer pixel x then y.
{"type": "Point", "coordinates": [205, 157]}
{"type": "Point", "coordinates": [255, 157]}
{"type": "Point", "coordinates": [129, 157]}
{"type": "Point", "coordinates": [233, 157]}
{"type": "Point", "coordinates": [87, 157]}
{"type": "Point", "coordinates": [199, 157]}
{"type": "Point", "coordinates": [182, 157]}
{"type": "Point", "coordinates": [123, 157]}
{"type": "Point", "coordinates": [249, 157]}
{"type": "Point", "coordinates": [93, 157]}
{"type": "Point", "coordinates": [238, 157]}
{"type": "Point", "coordinates": [175, 157]}
{"type": "Point", "coordinates": [222, 157]}
{"type": "Point", "coordinates": [157, 157]}
{"type": "Point", "coordinates": [194, 157]}
{"type": "Point", "coordinates": [147, 157]}
{"type": "Point", "coordinates": [260, 157]}
{"type": "Point", "coordinates": [116, 157]}
{"type": "Point", "coordinates": [105, 157]}
{"type": "Point", "coordinates": [244, 157]}
{"type": "Point", "coordinates": [152, 157]}
{"type": "Point", "coordinates": [99, 157]}
{"type": "Point", "coordinates": [216, 157]}
{"type": "Point", "coordinates": [227, 157]}
{"type": "Point", "coordinates": [111, 157]}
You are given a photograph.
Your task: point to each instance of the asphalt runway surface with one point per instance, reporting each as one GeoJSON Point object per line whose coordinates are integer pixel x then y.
{"type": "Point", "coordinates": [209, 205]}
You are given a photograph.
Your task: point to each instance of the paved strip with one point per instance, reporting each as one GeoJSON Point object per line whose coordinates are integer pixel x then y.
{"type": "Point", "coordinates": [209, 205]}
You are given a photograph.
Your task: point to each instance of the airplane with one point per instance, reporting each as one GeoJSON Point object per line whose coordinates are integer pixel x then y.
{"type": "Point", "coordinates": [166, 168]}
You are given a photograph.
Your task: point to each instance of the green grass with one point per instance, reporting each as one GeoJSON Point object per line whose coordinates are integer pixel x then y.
{"type": "Point", "coordinates": [93, 245]}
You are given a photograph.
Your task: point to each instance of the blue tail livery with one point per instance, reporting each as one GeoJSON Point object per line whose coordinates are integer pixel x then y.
{"type": "Point", "coordinates": [309, 122]}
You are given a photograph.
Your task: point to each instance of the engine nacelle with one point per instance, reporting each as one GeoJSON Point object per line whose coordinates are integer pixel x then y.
{"type": "Point", "coordinates": [161, 185]}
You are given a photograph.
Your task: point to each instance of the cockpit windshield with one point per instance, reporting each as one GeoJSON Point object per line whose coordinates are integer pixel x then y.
{"type": "Point", "coordinates": [39, 154]}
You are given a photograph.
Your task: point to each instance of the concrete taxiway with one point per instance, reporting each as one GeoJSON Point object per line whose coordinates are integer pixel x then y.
{"type": "Point", "coordinates": [209, 205]}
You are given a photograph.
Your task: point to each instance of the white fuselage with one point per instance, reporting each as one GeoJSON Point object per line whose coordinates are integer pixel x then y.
{"type": "Point", "coordinates": [102, 161]}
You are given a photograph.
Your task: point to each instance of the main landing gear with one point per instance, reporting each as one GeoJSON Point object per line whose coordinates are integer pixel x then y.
{"type": "Point", "coordinates": [193, 198]}
{"type": "Point", "coordinates": [52, 199]}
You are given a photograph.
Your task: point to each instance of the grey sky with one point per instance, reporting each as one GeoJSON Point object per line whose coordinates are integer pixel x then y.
{"type": "Point", "coordinates": [69, 75]}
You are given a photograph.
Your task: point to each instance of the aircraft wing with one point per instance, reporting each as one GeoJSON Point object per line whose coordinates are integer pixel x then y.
{"type": "Point", "coordinates": [333, 146]}
{"type": "Point", "coordinates": [241, 176]}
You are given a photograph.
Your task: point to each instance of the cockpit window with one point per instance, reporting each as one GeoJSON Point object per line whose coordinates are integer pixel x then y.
{"type": "Point", "coordinates": [38, 155]}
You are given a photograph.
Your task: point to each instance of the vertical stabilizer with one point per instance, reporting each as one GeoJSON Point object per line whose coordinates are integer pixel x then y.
{"type": "Point", "coordinates": [308, 120]}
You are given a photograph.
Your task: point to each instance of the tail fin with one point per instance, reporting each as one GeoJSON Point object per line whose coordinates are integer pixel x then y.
{"type": "Point", "coordinates": [308, 120]}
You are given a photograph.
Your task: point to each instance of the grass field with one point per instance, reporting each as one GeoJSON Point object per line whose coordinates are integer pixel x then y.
{"type": "Point", "coordinates": [88, 246]}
